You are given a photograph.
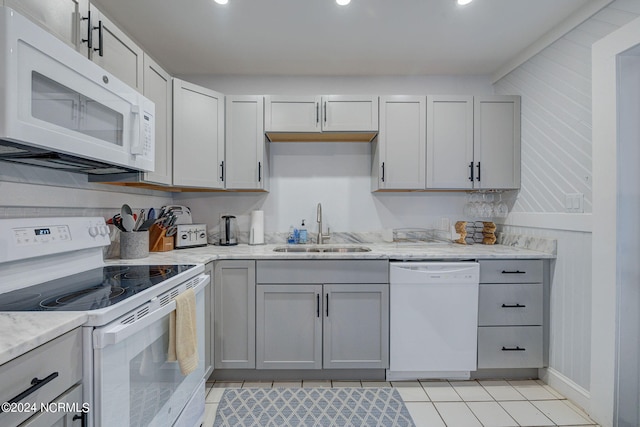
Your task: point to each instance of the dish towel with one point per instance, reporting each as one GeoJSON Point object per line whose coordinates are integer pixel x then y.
{"type": "Point", "coordinates": [183, 338]}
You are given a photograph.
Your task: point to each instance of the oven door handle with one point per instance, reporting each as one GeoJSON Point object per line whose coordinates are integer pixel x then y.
{"type": "Point", "coordinates": [120, 332]}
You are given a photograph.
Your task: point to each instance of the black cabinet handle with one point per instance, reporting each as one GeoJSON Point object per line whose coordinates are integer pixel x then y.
{"type": "Point", "coordinates": [82, 418]}
{"type": "Point", "coordinates": [327, 305]}
{"type": "Point", "coordinates": [382, 171]}
{"type": "Point", "coordinates": [478, 177]}
{"type": "Point", "coordinates": [259, 171]}
{"type": "Point", "coordinates": [513, 306]}
{"type": "Point", "coordinates": [471, 171]}
{"type": "Point", "coordinates": [318, 305]}
{"type": "Point", "coordinates": [222, 170]}
{"type": "Point", "coordinates": [517, 348]}
{"type": "Point", "coordinates": [100, 48]}
{"type": "Point", "coordinates": [513, 272]}
{"type": "Point", "coordinates": [325, 112]}
{"type": "Point", "coordinates": [35, 385]}
{"type": "Point", "coordinates": [317, 112]}
{"type": "Point", "coordinates": [89, 39]}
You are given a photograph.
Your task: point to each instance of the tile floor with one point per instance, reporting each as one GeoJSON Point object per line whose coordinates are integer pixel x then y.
{"type": "Point", "coordinates": [452, 403]}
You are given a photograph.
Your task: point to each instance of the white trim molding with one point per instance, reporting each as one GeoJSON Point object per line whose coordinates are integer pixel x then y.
{"type": "Point", "coordinates": [551, 221]}
{"type": "Point", "coordinates": [566, 387]}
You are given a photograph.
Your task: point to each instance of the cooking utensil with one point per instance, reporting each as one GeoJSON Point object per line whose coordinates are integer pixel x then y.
{"type": "Point", "coordinates": [128, 223]}
{"type": "Point", "coordinates": [139, 220]}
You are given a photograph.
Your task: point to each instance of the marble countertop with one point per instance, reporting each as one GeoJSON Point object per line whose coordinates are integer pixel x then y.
{"type": "Point", "coordinates": [22, 332]}
{"type": "Point", "coordinates": [404, 251]}
{"type": "Point", "coordinates": [26, 331]}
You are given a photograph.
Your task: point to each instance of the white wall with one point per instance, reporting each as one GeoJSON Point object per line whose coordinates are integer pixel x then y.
{"type": "Point", "coordinates": [555, 86]}
{"type": "Point", "coordinates": [28, 191]}
{"type": "Point", "coordinates": [335, 174]}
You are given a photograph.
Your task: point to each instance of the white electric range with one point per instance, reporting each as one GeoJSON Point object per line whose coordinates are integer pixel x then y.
{"type": "Point", "coordinates": [56, 264]}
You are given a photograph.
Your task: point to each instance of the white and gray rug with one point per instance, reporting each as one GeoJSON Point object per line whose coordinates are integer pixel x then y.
{"type": "Point", "coordinates": [312, 407]}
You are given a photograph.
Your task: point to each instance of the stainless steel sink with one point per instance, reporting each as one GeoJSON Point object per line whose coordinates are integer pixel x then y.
{"type": "Point", "coordinates": [322, 249]}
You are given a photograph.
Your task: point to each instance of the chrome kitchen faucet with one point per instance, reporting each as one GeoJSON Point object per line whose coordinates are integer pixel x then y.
{"type": "Point", "coordinates": [321, 237]}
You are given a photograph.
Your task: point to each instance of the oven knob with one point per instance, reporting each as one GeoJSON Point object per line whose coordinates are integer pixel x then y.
{"type": "Point", "coordinates": [93, 231]}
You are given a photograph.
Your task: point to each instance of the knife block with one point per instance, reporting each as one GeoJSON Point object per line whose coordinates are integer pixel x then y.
{"type": "Point", "coordinates": [158, 241]}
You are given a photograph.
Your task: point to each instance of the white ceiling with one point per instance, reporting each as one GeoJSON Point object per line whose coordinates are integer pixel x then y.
{"type": "Point", "coordinates": [318, 37]}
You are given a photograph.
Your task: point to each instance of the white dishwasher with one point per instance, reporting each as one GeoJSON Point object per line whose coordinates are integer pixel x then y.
{"type": "Point", "coordinates": [433, 319]}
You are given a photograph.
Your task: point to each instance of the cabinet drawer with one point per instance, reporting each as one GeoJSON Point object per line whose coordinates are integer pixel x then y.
{"type": "Point", "coordinates": [510, 347]}
{"type": "Point", "coordinates": [511, 271]}
{"type": "Point", "coordinates": [510, 304]}
{"type": "Point", "coordinates": [59, 360]}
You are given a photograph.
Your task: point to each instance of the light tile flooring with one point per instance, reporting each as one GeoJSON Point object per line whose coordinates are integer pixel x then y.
{"type": "Point", "coordinates": [494, 403]}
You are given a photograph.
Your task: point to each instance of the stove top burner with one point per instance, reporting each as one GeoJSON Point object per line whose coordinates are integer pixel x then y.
{"type": "Point", "coordinates": [82, 297]}
{"type": "Point", "coordinates": [141, 275]}
{"type": "Point", "coordinates": [90, 290]}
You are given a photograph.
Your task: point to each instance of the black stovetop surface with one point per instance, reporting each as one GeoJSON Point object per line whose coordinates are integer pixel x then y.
{"type": "Point", "coordinates": [90, 290]}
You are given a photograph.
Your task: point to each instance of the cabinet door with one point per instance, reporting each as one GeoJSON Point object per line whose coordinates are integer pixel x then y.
{"type": "Point", "coordinates": [245, 143]}
{"type": "Point", "coordinates": [497, 142]}
{"type": "Point", "coordinates": [289, 327]}
{"type": "Point", "coordinates": [209, 303]}
{"type": "Point", "coordinates": [292, 114]}
{"type": "Point", "coordinates": [60, 17]}
{"type": "Point", "coordinates": [114, 51]}
{"type": "Point", "coordinates": [198, 138]}
{"type": "Point", "coordinates": [401, 143]}
{"type": "Point", "coordinates": [157, 87]}
{"type": "Point", "coordinates": [70, 399]}
{"type": "Point", "coordinates": [449, 142]}
{"type": "Point", "coordinates": [349, 113]}
{"type": "Point", "coordinates": [356, 326]}
{"type": "Point", "coordinates": [234, 314]}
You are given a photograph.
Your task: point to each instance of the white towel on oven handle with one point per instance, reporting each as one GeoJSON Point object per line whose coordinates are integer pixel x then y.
{"type": "Point", "coordinates": [183, 337]}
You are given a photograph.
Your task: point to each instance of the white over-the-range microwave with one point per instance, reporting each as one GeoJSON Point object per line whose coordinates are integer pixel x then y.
{"type": "Point", "coordinates": [60, 110]}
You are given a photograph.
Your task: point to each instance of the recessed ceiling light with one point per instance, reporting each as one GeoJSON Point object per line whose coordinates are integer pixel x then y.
{"type": "Point", "coordinates": [221, 1]}
{"type": "Point", "coordinates": [463, 2]}
{"type": "Point", "coordinates": [343, 2]}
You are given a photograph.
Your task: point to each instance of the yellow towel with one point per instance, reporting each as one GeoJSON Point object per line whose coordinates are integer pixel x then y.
{"type": "Point", "coordinates": [183, 338]}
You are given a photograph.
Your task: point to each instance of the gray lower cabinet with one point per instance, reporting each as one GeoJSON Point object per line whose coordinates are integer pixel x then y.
{"type": "Point", "coordinates": [234, 295]}
{"type": "Point", "coordinates": [356, 326]}
{"type": "Point", "coordinates": [511, 314]}
{"type": "Point", "coordinates": [289, 327]}
{"type": "Point", "coordinates": [208, 322]}
{"type": "Point", "coordinates": [333, 326]}
{"type": "Point", "coordinates": [322, 314]}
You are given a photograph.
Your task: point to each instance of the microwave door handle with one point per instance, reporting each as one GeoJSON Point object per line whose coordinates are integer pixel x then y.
{"type": "Point", "coordinates": [120, 332]}
{"type": "Point", "coordinates": [136, 146]}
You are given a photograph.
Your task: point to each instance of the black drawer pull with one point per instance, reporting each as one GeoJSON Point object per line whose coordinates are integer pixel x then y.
{"type": "Point", "coordinates": [513, 306]}
{"type": "Point", "coordinates": [518, 348]}
{"type": "Point", "coordinates": [513, 272]}
{"type": "Point", "coordinates": [35, 385]}
{"type": "Point", "coordinates": [82, 418]}
{"type": "Point", "coordinates": [318, 305]}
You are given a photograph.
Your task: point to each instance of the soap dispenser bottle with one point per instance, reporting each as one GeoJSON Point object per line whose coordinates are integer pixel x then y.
{"type": "Point", "coordinates": [290, 237]}
{"type": "Point", "coordinates": [303, 233]}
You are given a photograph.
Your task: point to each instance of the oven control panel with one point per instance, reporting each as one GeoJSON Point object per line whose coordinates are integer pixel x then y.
{"type": "Point", "coordinates": [41, 235]}
{"type": "Point", "coordinates": [24, 238]}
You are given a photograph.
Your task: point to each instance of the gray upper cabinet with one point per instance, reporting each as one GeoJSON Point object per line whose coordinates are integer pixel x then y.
{"type": "Point", "coordinates": [331, 113]}
{"type": "Point", "coordinates": [496, 147]}
{"type": "Point", "coordinates": [398, 161]}
{"type": "Point", "coordinates": [157, 87]}
{"type": "Point", "coordinates": [198, 136]}
{"type": "Point", "coordinates": [234, 295]}
{"type": "Point", "coordinates": [473, 142]}
{"type": "Point", "coordinates": [114, 51]}
{"type": "Point", "coordinates": [61, 18]}
{"type": "Point", "coordinates": [289, 327]}
{"type": "Point", "coordinates": [449, 142]}
{"type": "Point", "coordinates": [246, 159]}
{"type": "Point", "coordinates": [356, 326]}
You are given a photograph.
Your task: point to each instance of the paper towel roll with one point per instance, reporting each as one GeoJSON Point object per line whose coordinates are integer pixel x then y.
{"type": "Point", "coordinates": [256, 228]}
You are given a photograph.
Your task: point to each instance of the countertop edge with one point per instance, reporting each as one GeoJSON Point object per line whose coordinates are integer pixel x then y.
{"type": "Point", "coordinates": [22, 332]}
